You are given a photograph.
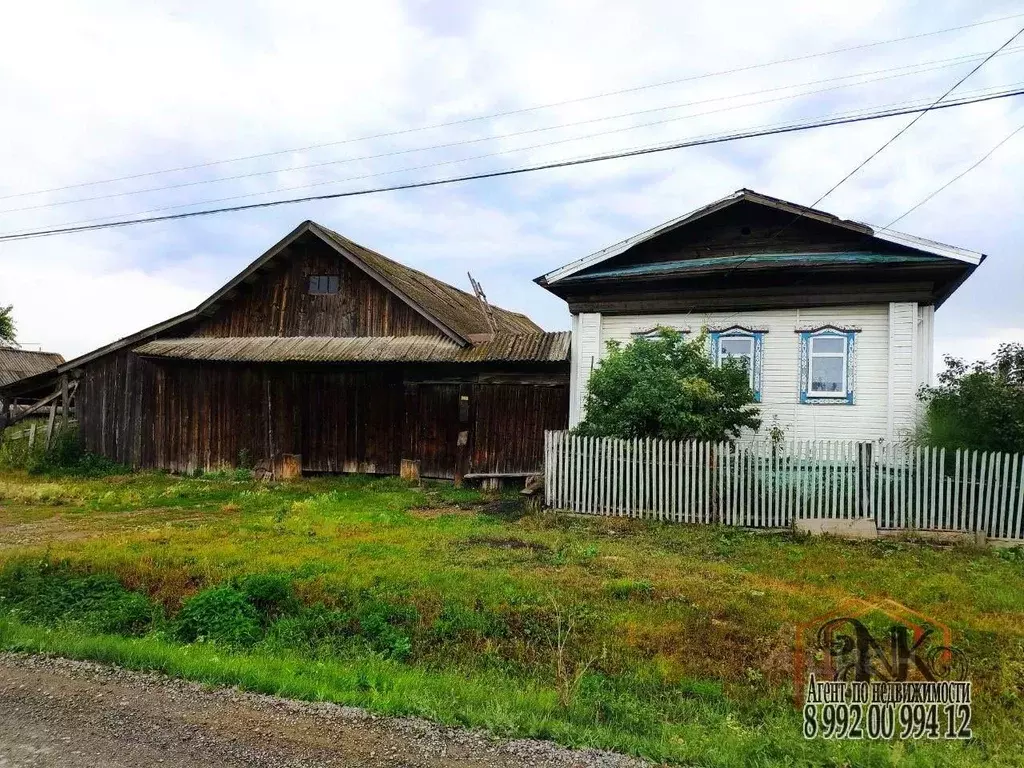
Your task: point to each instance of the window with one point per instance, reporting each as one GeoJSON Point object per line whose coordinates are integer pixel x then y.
{"type": "Point", "coordinates": [323, 285]}
{"type": "Point", "coordinates": [827, 366]}
{"type": "Point", "coordinates": [742, 345]}
{"type": "Point", "coordinates": [826, 357]}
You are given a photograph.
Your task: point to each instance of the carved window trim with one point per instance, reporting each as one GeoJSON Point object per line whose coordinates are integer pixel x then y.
{"type": "Point", "coordinates": [849, 337]}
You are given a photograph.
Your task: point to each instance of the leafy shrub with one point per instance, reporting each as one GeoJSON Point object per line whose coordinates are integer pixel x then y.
{"type": "Point", "coordinates": [386, 627]}
{"type": "Point", "coordinates": [977, 407]}
{"type": "Point", "coordinates": [221, 614]}
{"type": "Point", "coordinates": [668, 388]}
{"type": "Point", "coordinates": [52, 594]}
{"type": "Point", "coordinates": [271, 594]}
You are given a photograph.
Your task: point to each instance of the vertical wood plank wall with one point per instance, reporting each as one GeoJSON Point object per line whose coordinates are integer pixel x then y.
{"type": "Point", "coordinates": [183, 417]}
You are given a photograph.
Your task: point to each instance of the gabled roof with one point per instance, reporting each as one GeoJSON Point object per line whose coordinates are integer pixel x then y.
{"type": "Point", "coordinates": [455, 313]}
{"type": "Point", "coordinates": [747, 195]}
{"type": "Point", "coordinates": [18, 363]}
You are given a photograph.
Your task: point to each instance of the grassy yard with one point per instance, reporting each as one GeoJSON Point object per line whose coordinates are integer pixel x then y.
{"type": "Point", "coordinates": [671, 642]}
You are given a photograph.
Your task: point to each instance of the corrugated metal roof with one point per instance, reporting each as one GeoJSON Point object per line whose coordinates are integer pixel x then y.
{"type": "Point", "coordinates": [757, 261]}
{"type": "Point", "coordinates": [457, 309]}
{"type": "Point", "coordinates": [18, 363]}
{"type": "Point", "coordinates": [504, 347]}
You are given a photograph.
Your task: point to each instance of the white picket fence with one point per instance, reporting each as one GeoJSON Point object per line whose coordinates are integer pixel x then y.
{"type": "Point", "coordinates": [769, 485]}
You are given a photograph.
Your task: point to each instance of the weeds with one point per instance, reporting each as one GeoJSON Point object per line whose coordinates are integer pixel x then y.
{"type": "Point", "coordinates": [666, 641]}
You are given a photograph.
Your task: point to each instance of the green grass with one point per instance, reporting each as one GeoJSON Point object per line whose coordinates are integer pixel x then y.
{"type": "Point", "coordinates": [446, 604]}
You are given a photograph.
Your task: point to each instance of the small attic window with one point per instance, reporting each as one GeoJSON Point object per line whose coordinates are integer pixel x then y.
{"type": "Point", "coordinates": [323, 285]}
{"type": "Point", "coordinates": [745, 231]}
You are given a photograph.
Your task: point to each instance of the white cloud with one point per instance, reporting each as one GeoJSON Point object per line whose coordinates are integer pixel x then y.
{"type": "Point", "coordinates": [90, 93]}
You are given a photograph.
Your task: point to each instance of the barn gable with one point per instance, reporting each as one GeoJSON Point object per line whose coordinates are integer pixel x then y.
{"type": "Point", "coordinates": [378, 296]}
{"type": "Point", "coordinates": [286, 300]}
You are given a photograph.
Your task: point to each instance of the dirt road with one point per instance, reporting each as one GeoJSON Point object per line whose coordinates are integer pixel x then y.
{"type": "Point", "coordinates": [56, 712]}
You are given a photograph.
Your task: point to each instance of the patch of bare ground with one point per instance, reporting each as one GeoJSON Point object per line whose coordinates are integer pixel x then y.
{"type": "Point", "coordinates": [73, 714]}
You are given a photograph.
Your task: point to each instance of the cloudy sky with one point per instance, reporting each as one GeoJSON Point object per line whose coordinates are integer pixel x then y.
{"type": "Point", "coordinates": [121, 90]}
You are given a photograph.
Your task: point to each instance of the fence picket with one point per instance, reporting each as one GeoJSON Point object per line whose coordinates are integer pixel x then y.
{"type": "Point", "coordinates": [765, 484]}
{"type": "Point", "coordinates": [1020, 506]}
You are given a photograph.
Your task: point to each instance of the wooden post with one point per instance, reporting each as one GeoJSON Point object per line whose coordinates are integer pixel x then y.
{"type": "Point", "coordinates": [462, 442]}
{"type": "Point", "coordinates": [865, 460]}
{"type": "Point", "coordinates": [65, 400]}
{"type": "Point", "coordinates": [31, 434]}
{"type": "Point", "coordinates": [49, 424]}
{"type": "Point", "coordinates": [409, 470]}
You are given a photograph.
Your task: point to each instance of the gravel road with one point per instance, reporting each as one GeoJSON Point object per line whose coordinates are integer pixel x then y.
{"type": "Point", "coordinates": [72, 714]}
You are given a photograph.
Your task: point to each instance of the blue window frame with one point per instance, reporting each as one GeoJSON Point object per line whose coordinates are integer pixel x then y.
{"type": "Point", "coordinates": [741, 344]}
{"type": "Point", "coordinates": [827, 366]}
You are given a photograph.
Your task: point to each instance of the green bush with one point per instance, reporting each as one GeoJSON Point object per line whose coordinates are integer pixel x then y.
{"type": "Point", "coordinates": [220, 614]}
{"type": "Point", "coordinates": [53, 594]}
{"type": "Point", "coordinates": [668, 388]}
{"type": "Point", "coordinates": [271, 594]}
{"type": "Point", "coordinates": [386, 627]}
{"type": "Point", "coordinates": [977, 407]}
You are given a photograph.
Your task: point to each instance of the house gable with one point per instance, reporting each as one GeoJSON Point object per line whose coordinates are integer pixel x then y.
{"type": "Point", "coordinates": [751, 251]}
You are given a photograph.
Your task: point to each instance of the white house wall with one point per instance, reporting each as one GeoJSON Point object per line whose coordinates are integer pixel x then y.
{"type": "Point", "coordinates": [586, 351]}
{"type": "Point", "coordinates": [888, 341]}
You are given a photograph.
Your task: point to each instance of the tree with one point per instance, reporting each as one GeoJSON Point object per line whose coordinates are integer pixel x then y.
{"type": "Point", "coordinates": [669, 388]}
{"type": "Point", "coordinates": [979, 406]}
{"type": "Point", "coordinates": [7, 327]}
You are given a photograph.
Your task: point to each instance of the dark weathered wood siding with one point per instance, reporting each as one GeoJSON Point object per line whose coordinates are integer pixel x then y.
{"type": "Point", "coordinates": [278, 302]}
{"type": "Point", "coordinates": [187, 416]}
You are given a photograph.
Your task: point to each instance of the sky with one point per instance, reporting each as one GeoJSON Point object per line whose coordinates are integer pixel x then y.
{"type": "Point", "coordinates": [125, 90]}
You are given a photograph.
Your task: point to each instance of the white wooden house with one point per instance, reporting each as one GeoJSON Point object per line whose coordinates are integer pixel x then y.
{"type": "Point", "coordinates": [834, 317]}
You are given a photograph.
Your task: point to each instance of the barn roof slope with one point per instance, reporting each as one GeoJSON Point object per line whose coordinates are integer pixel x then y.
{"type": "Point", "coordinates": [18, 363]}
{"type": "Point", "coordinates": [545, 347]}
{"type": "Point", "coordinates": [455, 308]}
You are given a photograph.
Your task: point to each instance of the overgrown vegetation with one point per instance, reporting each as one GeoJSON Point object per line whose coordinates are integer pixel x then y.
{"type": "Point", "coordinates": [64, 456]}
{"type": "Point", "coordinates": [979, 406]}
{"type": "Point", "coordinates": [668, 641]}
{"type": "Point", "coordinates": [668, 387]}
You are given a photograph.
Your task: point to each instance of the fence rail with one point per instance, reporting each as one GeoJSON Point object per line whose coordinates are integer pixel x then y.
{"type": "Point", "coordinates": [770, 485]}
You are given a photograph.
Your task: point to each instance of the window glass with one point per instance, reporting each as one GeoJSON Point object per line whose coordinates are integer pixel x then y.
{"type": "Point", "coordinates": [738, 348]}
{"type": "Point", "coordinates": [828, 344]}
{"type": "Point", "coordinates": [323, 284]}
{"type": "Point", "coordinates": [828, 374]}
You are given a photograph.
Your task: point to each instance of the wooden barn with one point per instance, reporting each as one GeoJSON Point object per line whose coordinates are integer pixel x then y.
{"type": "Point", "coordinates": [17, 364]}
{"type": "Point", "coordinates": [329, 351]}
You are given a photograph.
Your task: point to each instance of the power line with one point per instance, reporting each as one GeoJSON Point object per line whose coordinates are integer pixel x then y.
{"type": "Point", "coordinates": [506, 172]}
{"type": "Point", "coordinates": [956, 178]}
{"type": "Point", "coordinates": [440, 163]}
{"type": "Point", "coordinates": [523, 110]}
{"type": "Point", "coordinates": [917, 117]}
{"type": "Point", "coordinates": [915, 69]}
